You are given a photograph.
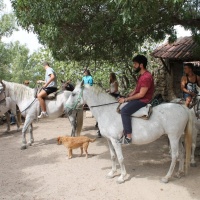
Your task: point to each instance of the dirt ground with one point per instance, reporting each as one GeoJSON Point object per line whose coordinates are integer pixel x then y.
{"type": "Point", "coordinates": [43, 171]}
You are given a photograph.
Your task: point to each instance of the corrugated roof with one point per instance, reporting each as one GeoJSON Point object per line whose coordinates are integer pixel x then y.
{"type": "Point", "coordinates": [181, 49]}
{"type": "Point", "coordinates": [195, 63]}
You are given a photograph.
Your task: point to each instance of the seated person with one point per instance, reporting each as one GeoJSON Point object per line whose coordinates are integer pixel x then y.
{"type": "Point", "coordinates": [113, 85]}
{"type": "Point", "coordinates": [189, 83]}
{"type": "Point", "coordinates": [50, 86]}
{"type": "Point", "coordinates": [138, 98]}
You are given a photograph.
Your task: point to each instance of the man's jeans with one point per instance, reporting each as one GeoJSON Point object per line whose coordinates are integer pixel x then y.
{"type": "Point", "coordinates": [126, 112]}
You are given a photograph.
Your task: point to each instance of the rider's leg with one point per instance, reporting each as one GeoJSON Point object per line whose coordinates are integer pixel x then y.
{"type": "Point", "coordinates": [188, 100]}
{"type": "Point", "coordinates": [41, 97]}
{"type": "Point", "coordinates": [126, 113]}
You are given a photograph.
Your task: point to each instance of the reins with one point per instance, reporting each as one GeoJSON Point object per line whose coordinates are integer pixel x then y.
{"type": "Point", "coordinates": [28, 106]}
{"type": "Point", "coordinates": [104, 104]}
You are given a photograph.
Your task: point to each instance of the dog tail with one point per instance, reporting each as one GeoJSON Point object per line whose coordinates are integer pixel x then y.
{"type": "Point", "coordinates": [92, 140]}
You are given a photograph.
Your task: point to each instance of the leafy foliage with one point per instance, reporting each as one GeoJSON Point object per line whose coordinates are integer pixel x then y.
{"type": "Point", "coordinates": [108, 30]}
{"type": "Point", "coordinates": [7, 22]}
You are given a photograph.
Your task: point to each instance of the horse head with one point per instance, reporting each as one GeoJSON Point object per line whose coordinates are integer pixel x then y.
{"type": "Point", "coordinates": [66, 85]}
{"type": "Point", "coordinates": [2, 90]}
{"type": "Point", "coordinates": [75, 101]}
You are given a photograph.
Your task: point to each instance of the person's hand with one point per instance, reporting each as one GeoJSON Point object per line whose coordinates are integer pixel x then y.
{"type": "Point", "coordinates": [121, 100]}
{"type": "Point", "coordinates": [44, 86]}
{"type": "Point", "coordinates": [39, 81]}
{"type": "Point", "coordinates": [193, 94]}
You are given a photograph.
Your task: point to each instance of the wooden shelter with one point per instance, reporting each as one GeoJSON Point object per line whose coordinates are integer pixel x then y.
{"type": "Point", "coordinates": [173, 56]}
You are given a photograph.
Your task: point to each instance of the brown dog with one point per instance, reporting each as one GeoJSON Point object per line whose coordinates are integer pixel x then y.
{"type": "Point", "coordinates": [74, 143]}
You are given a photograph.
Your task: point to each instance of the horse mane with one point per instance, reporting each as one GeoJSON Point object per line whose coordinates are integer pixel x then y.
{"type": "Point", "coordinates": [99, 90]}
{"type": "Point", "coordinates": [19, 90]}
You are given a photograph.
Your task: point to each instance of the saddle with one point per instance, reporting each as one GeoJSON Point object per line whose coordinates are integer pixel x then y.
{"type": "Point", "coordinates": [144, 112]}
{"type": "Point", "coordinates": [51, 96]}
{"type": "Point", "coordinates": [182, 102]}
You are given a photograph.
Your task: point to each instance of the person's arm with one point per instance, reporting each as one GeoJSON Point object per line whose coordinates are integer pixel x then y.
{"type": "Point", "coordinates": [52, 77]}
{"type": "Point", "coordinates": [139, 95]}
{"type": "Point", "coordinates": [132, 93]}
{"type": "Point", "coordinates": [90, 81]}
{"type": "Point", "coordinates": [183, 83]}
{"type": "Point", "coordinates": [40, 81]}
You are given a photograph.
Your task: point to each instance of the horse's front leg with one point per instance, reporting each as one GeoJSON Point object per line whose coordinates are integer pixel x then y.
{"type": "Point", "coordinates": [27, 122]}
{"type": "Point", "coordinates": [118, 149]}
{"type": "Point", "coordinates": [113, 171]}
{"type": "Point", "coordinates": [72, 120]}
{"type": "Point", "coordinates": [31, 135]}
{"type": "Point", "coordinates": [7, 121]}
{"type": "Point", "coordinates": [174, 142]}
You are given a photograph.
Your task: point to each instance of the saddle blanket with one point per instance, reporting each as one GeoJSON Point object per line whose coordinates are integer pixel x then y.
{"type": "Point", "coordinates": [144, 112]}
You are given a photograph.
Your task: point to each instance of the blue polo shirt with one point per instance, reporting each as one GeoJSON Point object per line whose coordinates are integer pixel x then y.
{"type": "Point", "coordinates": [88, 80]}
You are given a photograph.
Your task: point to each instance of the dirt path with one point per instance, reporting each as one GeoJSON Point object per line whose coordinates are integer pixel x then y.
{"type": "Point", "coordinates": [44, 172]}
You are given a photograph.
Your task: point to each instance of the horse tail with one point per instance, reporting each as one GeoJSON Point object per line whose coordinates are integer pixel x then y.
{"type": "Point", "coordinates": [79, 122]}
{"type": "Point", "coordinates": [188, 140]}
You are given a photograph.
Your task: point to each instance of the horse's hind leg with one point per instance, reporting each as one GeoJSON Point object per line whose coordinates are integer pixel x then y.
{"type": "Point", "coordinates": [174, 142]}
{"type": "Point", "coordinates": [31, 135]}
{"type": "Point", "coordinates": [113, 171]}
{"type": "Point", "coordinates": [180, 172]}
{"type": "Point", "coordinates": [118, 150]}
{"type": "Point", "coordinates": [7, 121]}
{"type": "Point", "coordinates": [194, 140]}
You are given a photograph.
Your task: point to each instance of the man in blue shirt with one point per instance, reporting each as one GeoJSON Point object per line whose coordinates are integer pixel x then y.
{"type": "Point", "coordinates": [87, 77]}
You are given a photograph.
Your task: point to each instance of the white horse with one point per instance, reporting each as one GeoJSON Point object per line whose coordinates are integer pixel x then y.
{"type": "Point", "coordinates": [195, 112]}
{"type": "Point", "coordinates": [7, 104]}
{"type": "Point", "coordinates": [23, 96]}
{"type": "Point", "coordinates": [170, 119]}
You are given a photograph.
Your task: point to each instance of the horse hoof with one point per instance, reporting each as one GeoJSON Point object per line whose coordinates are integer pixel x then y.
{"type": "Point", "coordinates": [23, 147]}
{"type": "Point", "coordinates": [29, 143]}
{"type": "Point", "coordinates": [164, 180]}
{"type": "Point", "coordinates": [179, 175]}
{"type": "Point", "coordinates": [120, 180]}
{"type": "Point", "coordinates": [193, 164]}
{"type": "Point", "coordinates": [110, 175]}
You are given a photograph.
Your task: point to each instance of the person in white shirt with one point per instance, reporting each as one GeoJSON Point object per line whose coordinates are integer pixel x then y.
{"type": "Point", "coordinates": [50, 86]}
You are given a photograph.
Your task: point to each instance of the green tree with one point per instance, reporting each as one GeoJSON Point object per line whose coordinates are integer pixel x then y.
{"type": "Point", "coordinates": [7, 26]}
{"type": "Point", "coordinates": [7, 22]}
{"type": "Point", "coordinates": [108, 30]}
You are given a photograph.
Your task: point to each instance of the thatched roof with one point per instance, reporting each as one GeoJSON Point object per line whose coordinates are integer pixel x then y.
{"type": "Point", "coordinates": [182, 49]}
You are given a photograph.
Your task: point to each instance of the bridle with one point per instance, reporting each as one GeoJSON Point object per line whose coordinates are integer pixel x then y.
{"type": "Point", "coordinates": [74, 106]}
